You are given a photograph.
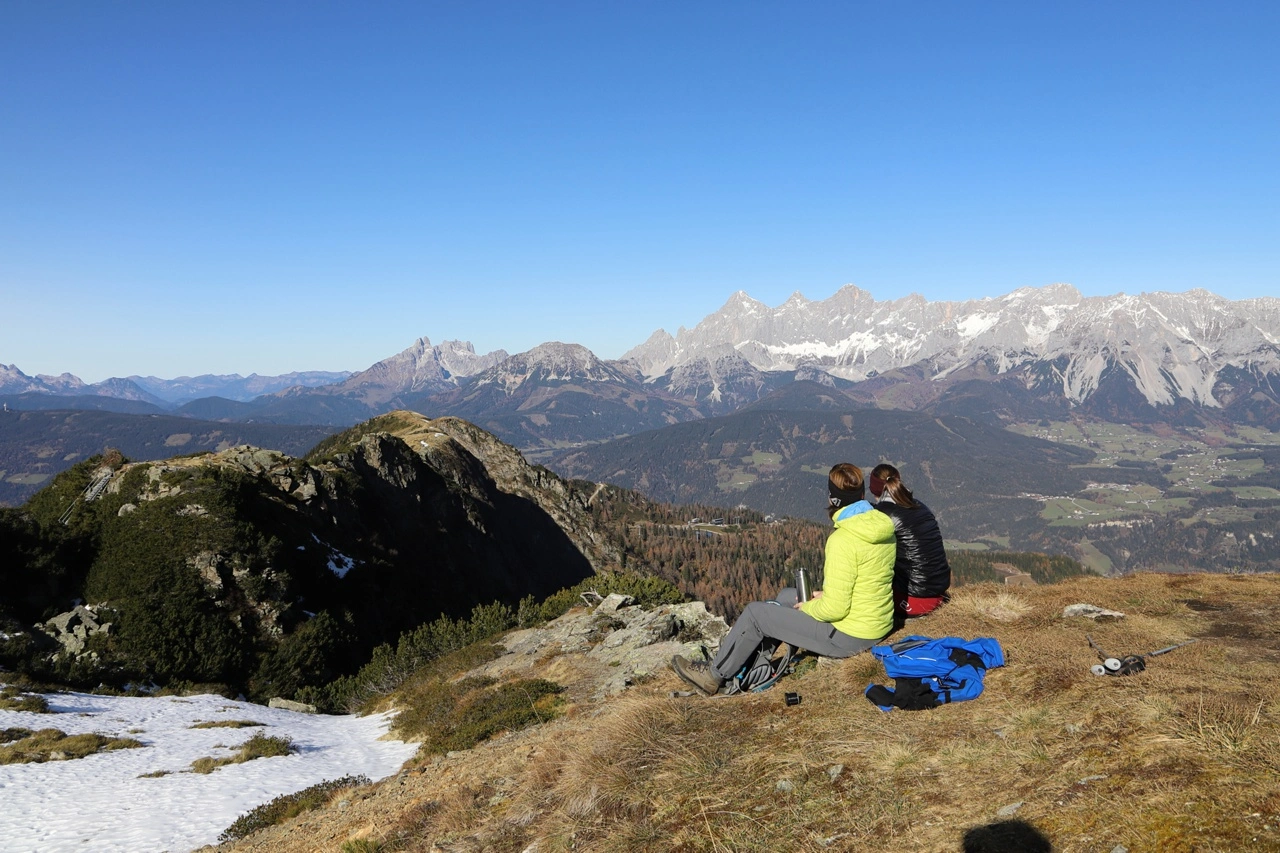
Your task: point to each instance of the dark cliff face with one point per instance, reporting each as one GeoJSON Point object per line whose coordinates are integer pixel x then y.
{"type": "Point", "coordinates": [212, 564]}
{"type": "Point", "coordinates": [431, 530]}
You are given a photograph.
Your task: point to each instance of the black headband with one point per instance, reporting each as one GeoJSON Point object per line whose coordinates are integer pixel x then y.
{"type": "Point", "coordinates": [840, 497]}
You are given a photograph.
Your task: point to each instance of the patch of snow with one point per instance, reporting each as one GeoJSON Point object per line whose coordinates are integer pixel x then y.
{"type": "Point", "coordinates": [975, 324]}
{"type": "Point", "coordinates": [814, 348]}
{"type": "Point", "coordinates": [340, 563]}
{"type": "Point", "coordinates": [1051, 317]}
{"type": "Point", "coordinates": [100, 803]}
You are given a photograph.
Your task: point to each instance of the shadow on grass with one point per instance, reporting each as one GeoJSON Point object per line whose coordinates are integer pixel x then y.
{"type": "Point", "coordinates": [1006, 836]}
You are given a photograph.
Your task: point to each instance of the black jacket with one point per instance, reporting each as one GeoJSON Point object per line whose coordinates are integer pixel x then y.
{"type": "Point", "coordinates": [921, 566]}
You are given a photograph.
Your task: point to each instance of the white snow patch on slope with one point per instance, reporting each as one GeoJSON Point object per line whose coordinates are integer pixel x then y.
{"type": "Point", "coordinates": [99, 803]}
{"type": "Point", "coordinates": [976, 324]}
{"type": "Point", "coordinates": [339, 563]}
{"type": "Point", "coordinates": [812, 348]}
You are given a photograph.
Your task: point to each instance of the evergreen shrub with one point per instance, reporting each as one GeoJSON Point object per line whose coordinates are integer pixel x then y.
{"type": "Point", "coordinates": [286, 806]}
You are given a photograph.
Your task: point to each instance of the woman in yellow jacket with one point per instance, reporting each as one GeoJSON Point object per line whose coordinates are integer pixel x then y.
{"type": "Point", "coordinates": [852, 613]}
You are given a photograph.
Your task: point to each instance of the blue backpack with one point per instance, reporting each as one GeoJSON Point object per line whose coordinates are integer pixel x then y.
{"type": "Point", "coordinates": [931, 672]}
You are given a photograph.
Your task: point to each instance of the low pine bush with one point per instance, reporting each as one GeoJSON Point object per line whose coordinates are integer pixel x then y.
{"type": "Point", "coordinates": [456, 715]}
{"type": "Point", "coordinates": [389, 668]}
{"type": "Point", "coordinates": [647, 590]}
{"type": "Point", "coordinates": [286, 806]}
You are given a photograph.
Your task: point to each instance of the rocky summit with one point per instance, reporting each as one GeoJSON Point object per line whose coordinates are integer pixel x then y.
{"type": "Point", "coordinates": [226, 567]}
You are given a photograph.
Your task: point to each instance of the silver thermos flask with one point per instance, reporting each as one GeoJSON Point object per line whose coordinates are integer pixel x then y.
{"type": "Point", "coordinates": [802, 585]}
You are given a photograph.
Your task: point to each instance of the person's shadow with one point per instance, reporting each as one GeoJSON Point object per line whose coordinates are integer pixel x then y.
{"type": "Point", "coordinates": [1006, 836]}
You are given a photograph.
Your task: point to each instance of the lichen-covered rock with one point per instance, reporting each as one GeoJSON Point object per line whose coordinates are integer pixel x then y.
{"type": "Point", "coordinates": [73, 629]}
{"type": "Point", "coordinates": [613, 645]}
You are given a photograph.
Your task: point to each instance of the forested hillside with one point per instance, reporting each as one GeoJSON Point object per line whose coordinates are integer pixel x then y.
{"type": "Point", "coordinates": [748, 556]}
{"type": "Point", "coordinates": [977, 477]}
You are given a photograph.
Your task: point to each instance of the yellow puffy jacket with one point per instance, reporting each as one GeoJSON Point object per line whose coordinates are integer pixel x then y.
{"type": "Point", "coordinates": [857, 590]}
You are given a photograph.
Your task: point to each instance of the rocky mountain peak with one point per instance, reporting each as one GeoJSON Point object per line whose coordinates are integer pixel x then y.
{"type": "Point", "coordinates": [550, 362]}
{"type": "Point", "coordinates": [419, 369]}
{"type": "Point", "coordinates": [14, 381]}
{"type": "Point", "coordinates": [459, 359]}
{"type": "Point", "coordinates": [1171, 345]}
{"type": "Point", "coordinates": [656, 355]}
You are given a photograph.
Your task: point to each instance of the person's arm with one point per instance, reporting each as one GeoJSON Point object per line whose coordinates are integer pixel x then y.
{"type": "Point", "coordinates": [839, 572]}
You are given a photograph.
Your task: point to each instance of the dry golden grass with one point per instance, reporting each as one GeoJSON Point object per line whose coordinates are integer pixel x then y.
{"type": "Point", "coordinates": [1001, 606]}
{"type": "Point", "coordinates": [22, 746]}
{"type": "Point", "coordinates": [1181, 757]}
{"type": "Point", "coordinates": [1078, 750]}
{"type": "Point", "coordinates": [258, 746]}
{"type": "Point", "coordinates": [225, 724]}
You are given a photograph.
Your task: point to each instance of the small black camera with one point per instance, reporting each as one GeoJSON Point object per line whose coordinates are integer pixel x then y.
{"type": "Point", "coordinates": [793, 698]}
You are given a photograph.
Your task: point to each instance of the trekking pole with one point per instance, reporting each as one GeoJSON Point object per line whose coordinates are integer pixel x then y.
{"type": "Point", "coordinates": [1168, 649]}
{"type": "Point", "coordinates": [1130, 664]}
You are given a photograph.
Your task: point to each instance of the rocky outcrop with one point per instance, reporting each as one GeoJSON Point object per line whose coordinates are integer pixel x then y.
{"type": "Point", "coordinates": [465, 455]}
{"type": "Point", "coordinates": [387, 526]}
{"type": "Point", "coordinates": [290, 705]}
{"type": "Point", "coordinates": [73, 629]}
{"type": "Point", "coordinates": [614, 644]}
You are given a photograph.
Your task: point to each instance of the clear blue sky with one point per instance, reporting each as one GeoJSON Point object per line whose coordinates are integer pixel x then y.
{"type": "Point", "coordinates": [235, 187]}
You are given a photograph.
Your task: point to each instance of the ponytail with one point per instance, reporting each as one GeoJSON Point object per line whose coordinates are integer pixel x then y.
{"type": "Point", "coordinates": [886, 479]}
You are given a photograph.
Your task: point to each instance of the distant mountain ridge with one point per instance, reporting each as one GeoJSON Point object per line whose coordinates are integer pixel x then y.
{"type": "Point", "coordinates": [233, 386]}
{"type": "Point", "coordinates": [163, 393]}
{"type": "Point", "coordinates": [1189, 358]}
{"type": "Point", "coordinates": [1172, 346]}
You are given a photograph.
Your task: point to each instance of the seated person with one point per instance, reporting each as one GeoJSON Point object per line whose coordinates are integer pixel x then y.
{"type": "Point", "coordinates": [921, 573]}
{"type": "Point", "coordinates": [851, 614]}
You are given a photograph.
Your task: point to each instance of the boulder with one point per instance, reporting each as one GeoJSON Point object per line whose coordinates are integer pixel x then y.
{"type": "Point", "coordinates": [73, 629]}
{"type": "Point", "coordinates": [290, 705]}
{"type": "Point", "coordinates": [616, 644]}
{"type": "Point", "coordinates": [1090, 611]}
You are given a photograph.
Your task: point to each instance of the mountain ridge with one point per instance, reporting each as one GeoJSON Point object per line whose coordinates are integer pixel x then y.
{"type": "Point", "coordinates": [1158, 348]}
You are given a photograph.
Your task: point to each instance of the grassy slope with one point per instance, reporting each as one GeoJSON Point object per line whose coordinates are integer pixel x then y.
{"type": "Point", "coordinates": [1183, 757]}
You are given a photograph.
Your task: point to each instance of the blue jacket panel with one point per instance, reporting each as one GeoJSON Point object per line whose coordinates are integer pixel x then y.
{"type": "Point", "coordinates": [951, 667]}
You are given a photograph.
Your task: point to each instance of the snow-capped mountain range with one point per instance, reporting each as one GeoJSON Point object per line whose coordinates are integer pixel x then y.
{"type": "Point", "coordinates": [1172, 345]}
{"type": "Point", "coordinates": [1115, 354]}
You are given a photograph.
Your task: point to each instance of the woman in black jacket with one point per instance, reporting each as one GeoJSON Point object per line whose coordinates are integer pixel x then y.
{"type": "Point", "coordinates": [921, 573]}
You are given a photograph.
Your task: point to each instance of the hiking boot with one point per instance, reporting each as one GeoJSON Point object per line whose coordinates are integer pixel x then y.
{"type": "Point", "coordinates": [698, 673]}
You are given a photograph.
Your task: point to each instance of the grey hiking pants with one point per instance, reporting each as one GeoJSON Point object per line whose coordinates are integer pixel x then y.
{"type": "Point", "coordinates": [786, 624]}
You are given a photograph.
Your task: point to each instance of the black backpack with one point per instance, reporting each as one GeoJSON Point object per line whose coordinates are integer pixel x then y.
{"type": "Point", "coordinates": [771, 661]}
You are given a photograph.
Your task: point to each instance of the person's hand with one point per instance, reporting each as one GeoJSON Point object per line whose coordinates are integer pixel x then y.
{"type": "Point", "coordinates": [816, 594]}
{"type": "Point", "coordinates": [797, 605]}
